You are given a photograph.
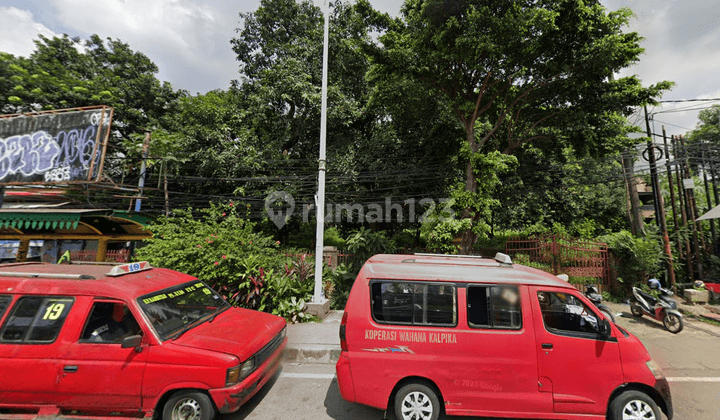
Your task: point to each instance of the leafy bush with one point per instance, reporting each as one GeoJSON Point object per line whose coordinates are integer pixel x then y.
{"type": "Point", "coordinates": [638, 258]}
{"type": "Point", "coordinates": [340, 283]}
{"type": "Point", "coordinates": [220, 247]}
{"type": "Point", "coordinates": [365, 243]}
{"type": "Point", "coordinates": [440, 233]}
{"type": "Point", "coordinates": [362, 245]}
{"type": "Point", "coordinates": [331, 237]}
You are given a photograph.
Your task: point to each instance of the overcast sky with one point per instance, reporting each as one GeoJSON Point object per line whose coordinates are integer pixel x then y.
{"type": "Point", "coordinates": [189, 40]}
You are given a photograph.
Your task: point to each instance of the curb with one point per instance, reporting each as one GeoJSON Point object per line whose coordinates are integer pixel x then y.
{"type": "Point", "coordinates": [707, 314]}
{"type": "Point", "coordinates": [312, 353]}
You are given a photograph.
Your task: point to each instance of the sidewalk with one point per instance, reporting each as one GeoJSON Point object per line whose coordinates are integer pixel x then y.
{"type": "Point", "coordinates": [705, 311]}
{"type": "Point", "coordinates": [314, 342]}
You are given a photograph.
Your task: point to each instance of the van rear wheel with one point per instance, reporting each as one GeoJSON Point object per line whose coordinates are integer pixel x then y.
{"type": "Point", "coordinates": [634, 405]}
{"type": "Point", "coordinates": [189, 405]}
{"type": "Point", "coordinates": [416, 402]}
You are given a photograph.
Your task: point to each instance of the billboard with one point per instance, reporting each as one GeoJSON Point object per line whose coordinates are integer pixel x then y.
{"type": "Point", "coordinates": [61, 146]}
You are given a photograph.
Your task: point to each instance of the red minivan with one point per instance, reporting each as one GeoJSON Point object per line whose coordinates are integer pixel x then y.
{"type": "Point", "coordinates": [127, 340]}
{"type": "Point", "coordinates": [469, 336]}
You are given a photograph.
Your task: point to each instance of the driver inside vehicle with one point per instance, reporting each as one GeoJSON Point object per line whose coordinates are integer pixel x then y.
{"type": "Point", "coordinates": [110, 322]}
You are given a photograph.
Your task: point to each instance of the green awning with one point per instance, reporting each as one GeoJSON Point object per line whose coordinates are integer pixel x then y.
{"type": "Point", "coordinates": [39, 221]}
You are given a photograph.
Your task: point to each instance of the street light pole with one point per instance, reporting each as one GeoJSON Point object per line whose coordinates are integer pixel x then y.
{"type": "Point", "coordinates": [319, 295]}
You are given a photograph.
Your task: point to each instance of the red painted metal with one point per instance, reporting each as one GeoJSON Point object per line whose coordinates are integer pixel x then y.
{"type": "Point", "coordinates": [480, 370]}
{"type": "Point", "coordinates": [98, 379]}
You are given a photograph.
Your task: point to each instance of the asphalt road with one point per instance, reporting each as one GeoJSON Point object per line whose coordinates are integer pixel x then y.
{"type": "Point", "coordinates": [690, 360]}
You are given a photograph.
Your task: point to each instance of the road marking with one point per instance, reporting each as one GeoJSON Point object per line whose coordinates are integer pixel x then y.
{"type": "Point", "coordinates": [686, 379]}
{"type": "Point", "coordinates": [308, 375]}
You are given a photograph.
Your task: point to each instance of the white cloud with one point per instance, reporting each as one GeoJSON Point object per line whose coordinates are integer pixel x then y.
{"type": "Point", "coordinates": [18, 29]}
{"type": "Point", "coordinates": [680, 46]}
{"type": "Point", "coordinates": [188, 41]}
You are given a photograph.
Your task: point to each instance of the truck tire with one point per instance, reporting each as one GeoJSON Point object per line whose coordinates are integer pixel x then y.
{"type": "Point", "coordinates": [188, 405]}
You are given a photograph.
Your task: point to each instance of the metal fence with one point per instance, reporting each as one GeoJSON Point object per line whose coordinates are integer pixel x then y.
{"type": "Point", "coordinates": [117, 255]}
{"type": "Point", "coordinates": [584, 262]}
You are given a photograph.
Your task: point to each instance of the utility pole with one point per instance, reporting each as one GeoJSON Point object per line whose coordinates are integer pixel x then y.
{"type": "Point", "coordinates": [682, 198]}
{"type": "Point", "coordinates": [636, 220]}
{"type": "Point", "coordinates": [672, 192]}
{"type": "Point", "coordinates": [660, 205]}
{"type": "Point", "coordinates": [707, 196]}
{"type": "Point", "coordinates": [692, 210]}
{"type": "Point", "coordinates": [143, 167]}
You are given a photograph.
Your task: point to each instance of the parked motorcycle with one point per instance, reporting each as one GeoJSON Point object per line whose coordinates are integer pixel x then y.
{"type": "Point", "coordinates": [592, 293]}
{"type": "Point", "coordinates": [662, 308]}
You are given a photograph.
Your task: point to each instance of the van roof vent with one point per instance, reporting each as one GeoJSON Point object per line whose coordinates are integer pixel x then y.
{"type": "Point", "coordinates": [503, 258]}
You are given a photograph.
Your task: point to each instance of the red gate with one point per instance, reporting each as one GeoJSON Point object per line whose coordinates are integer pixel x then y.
{"type": "Point", "coordinates": [584, 262]}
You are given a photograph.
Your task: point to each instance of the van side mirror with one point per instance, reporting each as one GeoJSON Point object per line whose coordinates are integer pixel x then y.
{"type": "Point", "coordinates": [605, 328]}
{"type": "Point", "coordinates": [132, 341]}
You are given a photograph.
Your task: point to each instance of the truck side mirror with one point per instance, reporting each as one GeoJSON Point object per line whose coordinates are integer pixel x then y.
{"type": "Point", "coordinates": [132, 341]}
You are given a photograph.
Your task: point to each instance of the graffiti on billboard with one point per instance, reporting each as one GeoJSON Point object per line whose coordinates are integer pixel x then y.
{"type": "Point", "coordinates": [62, 146]}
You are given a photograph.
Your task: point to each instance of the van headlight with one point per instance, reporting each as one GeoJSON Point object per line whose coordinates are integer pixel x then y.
{"type": "Point", "coordinates": [655, 369]}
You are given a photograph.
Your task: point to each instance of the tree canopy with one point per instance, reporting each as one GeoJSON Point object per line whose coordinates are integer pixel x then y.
{"type": "Point", "coordinates": [522, 71]}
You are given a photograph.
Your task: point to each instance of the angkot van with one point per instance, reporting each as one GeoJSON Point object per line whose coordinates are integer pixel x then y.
{"type": "Point", "coordinates": [468, 336]}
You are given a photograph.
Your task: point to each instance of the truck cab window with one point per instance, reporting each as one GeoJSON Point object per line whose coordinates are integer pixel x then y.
{"type": "Point", "coordinates": [110, 323]}
{"type": "Point", "coordinates": [4, 303]}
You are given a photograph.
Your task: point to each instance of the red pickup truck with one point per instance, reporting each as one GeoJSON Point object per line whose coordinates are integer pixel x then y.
{"type": "Point", "coordinates": [127, 340]}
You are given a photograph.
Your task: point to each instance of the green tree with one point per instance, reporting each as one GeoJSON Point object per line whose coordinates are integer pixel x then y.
{"type": "Point", "coordinates": [384, 139]}
{"type": "Point", "coordinates": [708, 128]}
{"type": "Point", "coordinates": [521, 71]}
{"type": "Point", "coordinates": [67, 73]}
{"type": "Point", "coordinates": [564, 190]}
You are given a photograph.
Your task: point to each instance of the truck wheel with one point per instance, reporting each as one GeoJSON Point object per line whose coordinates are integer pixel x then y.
{"type": "Point", "coordinates": [416, 402]}
{"type": "Point", "coordinates": [189, 405]}
{"type": "Point", "coordinates": [673, 323]}
{"type": "Point", "coordinates": [634, 405]}
{"type": "Point", "coordinates": [636, 311]}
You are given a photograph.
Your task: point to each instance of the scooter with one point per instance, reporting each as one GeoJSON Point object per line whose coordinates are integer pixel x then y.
{"type": "Point", "coordinates": [662, 308]}
{"type": "Point", "coordinates": [592, 294]}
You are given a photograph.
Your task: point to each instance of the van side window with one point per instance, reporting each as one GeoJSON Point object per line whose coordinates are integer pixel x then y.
{"type": "Point", "coordinates": [563, 313]}
{"type": "Point", "coordinates": [414, 303]}
{"type": "Point", "coordinates": [4, 302]}
{"type": "Point", "coordinates": [494, 307]}
{"type": "Point", "coordinates": [110, 323]}
{"type": "Point", "coordinates": [36, 319]}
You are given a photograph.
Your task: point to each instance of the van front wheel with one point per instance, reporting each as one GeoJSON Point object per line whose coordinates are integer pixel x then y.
{"type": "Point", "coordinates": [416, 402]}
{"type": "Point", "coordinates": [188, 405]}
{"type": "Point", "coordinates": [634, 405]}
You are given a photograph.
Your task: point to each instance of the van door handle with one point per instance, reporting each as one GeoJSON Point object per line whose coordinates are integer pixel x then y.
{"type": "Point", "coordinates": [70, 369]}
{"type": "Point", "coordinates": [547, 346]}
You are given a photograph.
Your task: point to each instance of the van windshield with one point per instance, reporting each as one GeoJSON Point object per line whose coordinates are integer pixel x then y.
{"type": "Point", "coordinates": [174, 309]}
